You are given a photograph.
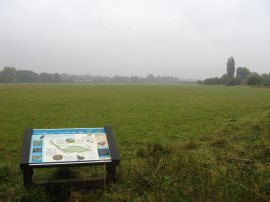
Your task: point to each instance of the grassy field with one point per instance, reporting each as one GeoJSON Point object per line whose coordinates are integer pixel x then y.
{"type": "Point", "coordinates": [177, 142]}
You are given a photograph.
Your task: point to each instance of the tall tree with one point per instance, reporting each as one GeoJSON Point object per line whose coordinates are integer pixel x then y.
{"type": "Point", "coordinates": [230, 67]}
{"type": "Point", "coordinates": [1, 77]}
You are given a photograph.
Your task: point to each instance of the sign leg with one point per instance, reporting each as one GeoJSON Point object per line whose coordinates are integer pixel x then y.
{"type": "Point", "coordinates": [111, 172]}
{"type": "Point", "coordinates": [27, 176]}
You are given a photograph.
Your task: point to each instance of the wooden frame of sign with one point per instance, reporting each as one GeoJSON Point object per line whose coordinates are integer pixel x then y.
{"type": "Point", "coordinates": [104, 153]}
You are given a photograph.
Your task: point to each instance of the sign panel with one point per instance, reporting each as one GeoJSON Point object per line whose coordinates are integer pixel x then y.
{"type": "Point", "coordinates": [69, 145]}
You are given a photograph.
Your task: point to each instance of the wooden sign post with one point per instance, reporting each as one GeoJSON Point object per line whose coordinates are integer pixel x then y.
{"type": "Point", "coordinates": [46, 148]}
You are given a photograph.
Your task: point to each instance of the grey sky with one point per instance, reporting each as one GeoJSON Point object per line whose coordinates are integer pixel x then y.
{"type": "Point", "coordinates": [185, 38]}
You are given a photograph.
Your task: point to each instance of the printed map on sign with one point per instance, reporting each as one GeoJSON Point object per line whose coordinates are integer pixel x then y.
{"type": "Point", "coordinates": [69, 145]}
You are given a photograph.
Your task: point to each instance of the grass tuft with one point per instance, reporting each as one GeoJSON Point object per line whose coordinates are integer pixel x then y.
{"type": "Point", "coordinates": [191, 145]}
{"type": "Point", "coordinates": [220, 142]}
{"type": "Point", "coordinates": [153, 150]}
{"type": "Point", "coordinates": [5, 172]}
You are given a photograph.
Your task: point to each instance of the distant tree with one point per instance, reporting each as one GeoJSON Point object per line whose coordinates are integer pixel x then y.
{"type": "Point", "coordinates": [150, 78]}
{"type": "Point", "coordinates": [254, 79]}
{"type": "Point", "coordinates": [1, 77]}
{"type": "Point", "coordinates": [237, 81]}
{"type": "Point", "coordinates": [134, 79]}
{"type": "Point", "coordinates": [45, 78]}
{"type": "Point", "coordinates": [120, 79]}
{"type": "Point", "coordinates": [230, 67]}
{"type": "Point", "coordinates": [168, 79]}
{"type": "Point", "coordinates": [212, 81]}
{"type": "Point", "coordinates": [224, 78]}
{"type": "Point", "coordinates": [8, 75]}
{"type": "Point", "coordinates": [233, 81]}
{"type": "Point", "coordinates": [242, 72]}
{"type": "Point", "coordinates": [26, 76]}
{"type": "Point", "coordinates": [56, 78]}
{"type": "Point", "coordinates": [66, 78]}
{"type": "Point", "coordinates": [265, 79]}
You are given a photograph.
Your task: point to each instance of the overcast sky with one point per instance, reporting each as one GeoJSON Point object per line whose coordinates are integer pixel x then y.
{"type": "Point", "coordinates": [184, 38]}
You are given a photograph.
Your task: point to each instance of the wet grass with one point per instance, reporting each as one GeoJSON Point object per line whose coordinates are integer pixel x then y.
{"type": "Point", "coordinates": [177, 142]}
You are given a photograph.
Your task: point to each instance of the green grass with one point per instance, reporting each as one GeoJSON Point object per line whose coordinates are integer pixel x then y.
{"type": "Point", "coordinates": [177, 142]}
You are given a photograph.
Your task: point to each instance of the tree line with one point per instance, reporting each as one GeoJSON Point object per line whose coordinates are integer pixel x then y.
{"type": "Point", "coordinates": [122, 79]}
{"type": "Point", "coordinates": [12, 75]}
{"type": "Point", "coordinates": [238, 76]}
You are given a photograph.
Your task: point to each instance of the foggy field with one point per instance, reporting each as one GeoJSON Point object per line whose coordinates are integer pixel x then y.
{"type": "Point", "coordinates": [157, 127]}
{"type": "Point", "coordinates": [185, 86]}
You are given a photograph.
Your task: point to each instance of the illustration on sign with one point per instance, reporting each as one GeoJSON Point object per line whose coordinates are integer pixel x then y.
{"type": "Point", "coordinates": [69, 145]}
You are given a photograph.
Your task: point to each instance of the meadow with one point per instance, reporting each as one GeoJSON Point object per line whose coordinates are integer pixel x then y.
{"type": "Point", "coordinates": [176, 142]}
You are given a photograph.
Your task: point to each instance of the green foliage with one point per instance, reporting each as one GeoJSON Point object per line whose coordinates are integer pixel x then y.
{"type": "Point", "coordinates": [254, 79]}
{"type": "Point", "coordinates": [8, 75]}
{"type": "Point", "coordinates": [11, 75]}
{"type": "Point", "coordinates": [26, 76]}
{"type": "Point", "coordinates": [56, 78]}
{"type": "Point", "coordinates": [233, 81]}
{"type": "Point", "coordinates": [243, 76]}
{"type": "Point", "coordinates": [224, 78]}
{"type": "Point", "coordinates": [242, 72]}
{"type": "Point", "coordinates": [212, 81]}
{"type": "Point", "coordinates": [265, 79]}
{"type": "Point", "coordinates": [45, 78]}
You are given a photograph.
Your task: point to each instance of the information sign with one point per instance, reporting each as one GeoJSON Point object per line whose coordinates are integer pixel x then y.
{"type": "Point", "coordinates": [50, 146]}
{"type": "Point", "coordinates": [68, 147]}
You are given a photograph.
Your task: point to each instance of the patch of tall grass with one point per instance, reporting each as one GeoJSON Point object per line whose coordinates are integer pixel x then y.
{"type": "Point", "coordinates": [230, 165]}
